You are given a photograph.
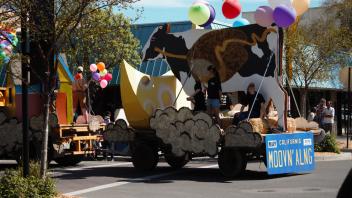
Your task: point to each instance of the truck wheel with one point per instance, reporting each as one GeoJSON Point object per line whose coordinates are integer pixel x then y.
{"type": "Point", "coordinates": [69, 160]}
{"type": "Point", "coordinates": [176, 162]}
{"type": "Point", "coordinates": [144, 157]}
{"type": "Point", "coordinates": [231, 162]}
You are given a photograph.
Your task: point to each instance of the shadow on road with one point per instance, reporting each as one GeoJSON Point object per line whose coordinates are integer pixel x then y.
{"type": "Point", "coordinates": [168, 175]}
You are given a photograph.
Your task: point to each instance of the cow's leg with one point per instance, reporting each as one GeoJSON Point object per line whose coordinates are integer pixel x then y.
{"type": "Point", "coordinates": [274, 91]}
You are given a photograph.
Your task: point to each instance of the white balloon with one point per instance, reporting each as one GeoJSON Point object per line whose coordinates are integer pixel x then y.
{"type": "Point", "coordinates": [275, 3]}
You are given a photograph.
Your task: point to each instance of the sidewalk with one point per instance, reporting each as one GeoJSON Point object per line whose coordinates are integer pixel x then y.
{"type": "Point", "coordinates": [342, 143]}
{"type": "Point", "coordinates": [327, 156]}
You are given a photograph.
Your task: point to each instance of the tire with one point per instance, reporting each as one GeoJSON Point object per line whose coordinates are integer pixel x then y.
{"type": "Point", "coordinates": [231, 162]}
{"type": "Point", "coordinates": [176, 162]}
{"type": "Point", "coordinates": [69, 160]}
{"type": "Point", "coordinates": [145, 157]}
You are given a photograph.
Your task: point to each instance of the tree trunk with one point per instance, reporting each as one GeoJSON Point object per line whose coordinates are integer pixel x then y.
{"type": "Point", "coordinates": [44, 154]}
{"type": "Point", "coordinates": [303, 102]}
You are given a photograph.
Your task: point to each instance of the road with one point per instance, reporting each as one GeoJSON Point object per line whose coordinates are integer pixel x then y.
{"type": "Point", "coordinates": [201, 178]}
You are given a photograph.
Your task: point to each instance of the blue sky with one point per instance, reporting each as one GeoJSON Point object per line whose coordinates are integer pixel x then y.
{"type": "Point", "coordinates": [177, 10]}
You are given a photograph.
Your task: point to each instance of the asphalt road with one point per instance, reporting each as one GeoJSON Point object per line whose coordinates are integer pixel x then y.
{"type": "Point", "coordinates": [200, 178]}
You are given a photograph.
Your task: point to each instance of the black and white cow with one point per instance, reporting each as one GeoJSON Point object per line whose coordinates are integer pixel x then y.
{"type": "Point", "coordinates": [241, 56]}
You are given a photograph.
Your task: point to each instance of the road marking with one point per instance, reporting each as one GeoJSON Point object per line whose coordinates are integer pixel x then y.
{"type": "Point", "coordinates": [116, 184]}
{"type": "Point", "coordinates": [96, 166]}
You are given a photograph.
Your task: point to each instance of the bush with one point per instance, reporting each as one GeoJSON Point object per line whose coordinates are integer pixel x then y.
{"type": "Point", "coordinates": [12, 184]}
{"type": "Point", "coordinates": [329, 144]}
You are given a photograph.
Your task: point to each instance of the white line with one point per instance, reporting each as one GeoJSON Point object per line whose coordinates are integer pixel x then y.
{"type": "Point", "coordinates": [97, 166]}
{"type": "Point", "coordinates": [116, 184]}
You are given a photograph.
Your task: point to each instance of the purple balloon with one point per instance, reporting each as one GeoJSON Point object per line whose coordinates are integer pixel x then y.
{"type": "Point", "coordinates": [96, 76]}
{"type": "Point", "coordinates": [212, 16]}
{"type": "Point", "coordinates": [284, 16]}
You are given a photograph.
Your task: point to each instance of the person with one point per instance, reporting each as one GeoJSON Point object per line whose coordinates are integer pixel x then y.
{"type": "Point", "coordinates": [328, 117]}
{"type": "Point", "coordinates": [198, 98]}
{"type": "Point", "coordinates": [214, 93]}
{"type": "Point", "coordinates": [79, 87]}
{"type": "Point", "coordinates": [255, 103]}
{"type": "Point", "coordinates": [320, 108]}
{"type": "Point", "coordinates": [312, 115]}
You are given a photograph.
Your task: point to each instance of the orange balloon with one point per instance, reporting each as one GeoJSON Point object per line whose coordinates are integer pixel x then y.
{"type": "Point", "coordinates": [101, 66]}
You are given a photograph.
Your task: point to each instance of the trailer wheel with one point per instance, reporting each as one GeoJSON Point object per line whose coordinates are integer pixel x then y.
{"type": "Point", "coordinates": [176, 162]}
{"type": "Point", "coordinates": [145, 157]}
{"type": "Point", "coordinates": [231, 162]}
{"type": "Point", "coordinates": [69, 160]}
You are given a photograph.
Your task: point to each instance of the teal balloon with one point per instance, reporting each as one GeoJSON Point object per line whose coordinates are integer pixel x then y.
{"type": "Point", "coordinates": [199, 13]}
{"type": "Point", "coordinates": [240, 22]}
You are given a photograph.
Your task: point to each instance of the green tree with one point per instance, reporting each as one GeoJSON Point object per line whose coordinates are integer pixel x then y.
{"type": "Point", "coordinates": [314, 54]}
{"type": "Point", "coordinates": [49, 22]}
{"type": "Point", "coordinates": [102, 36]}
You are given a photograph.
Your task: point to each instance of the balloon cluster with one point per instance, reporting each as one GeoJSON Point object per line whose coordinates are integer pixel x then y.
{"type": "Point", "coordinates": [8, 40]}
{"type": "Point", "coordinates": [201, 13]}
{"type": "Point", "coordinates": [281, 12]}
{"type": "Point", "coordinates": [100, 74]}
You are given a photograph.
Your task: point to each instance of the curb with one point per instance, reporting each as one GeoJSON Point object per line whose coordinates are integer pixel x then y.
{"type": "Point", "coordinates": [337, 157]}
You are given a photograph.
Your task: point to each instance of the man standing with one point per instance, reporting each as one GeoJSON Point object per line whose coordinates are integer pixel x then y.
{"type": "Point", "coordinates": [328, 117]}
{"type": "Point", "coordinates": [214, 94]}
{"type": "Point", "coordinates": [319, 114]}
{"type": "Point", "coordinates": [79, 88]}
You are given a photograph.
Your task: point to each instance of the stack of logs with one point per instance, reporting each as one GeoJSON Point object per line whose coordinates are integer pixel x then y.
{"type": "Point", "coordinates": [185, 131]}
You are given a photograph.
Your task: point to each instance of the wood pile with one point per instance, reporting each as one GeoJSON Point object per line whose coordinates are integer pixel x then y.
{"type": "Point", "coordinates": [118, 132]}
{"type": "Point", "coordinates": [242, 135]}
{"type": "Point", "coordinates": [10, 135]}
{"type": "Point", "coordinates": [185, 131]}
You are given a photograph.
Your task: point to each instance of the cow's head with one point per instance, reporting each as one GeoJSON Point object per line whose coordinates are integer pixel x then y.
{"type": "Point", "coordinates": [156, 40]}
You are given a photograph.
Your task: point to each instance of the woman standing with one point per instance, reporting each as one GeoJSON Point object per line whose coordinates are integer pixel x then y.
{"type": "Point", "coordinates": [214, 93]}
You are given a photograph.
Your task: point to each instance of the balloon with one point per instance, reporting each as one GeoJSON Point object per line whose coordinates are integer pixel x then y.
{"type": "Point", "coordinates": [301, 6]}
{"type": "Point", "coordinates": [275, 3]}
{"type": "Point", "coordinates": [101, 66]}
{"type": "Point", "coordinates": [284, 16]}
{"type": "Point", "coordinates": [6, 59]}
{"type": "Point", "coordinates": [199, 13]}
{"type": "Point", "coordinates": [96, 76]}
{"type": "Point", "coordinates": [264, 16]}
{"type": "Point", "coordinates": [93, 67]}
{"type": "Point", "coordinates": [103, 83]}
{"type": "Point", "coordinates": [2, 55]}
{"type": "Point", "coordinates": [241, 22]}
{"type": "Point", "coordinates": [103, 72]}
{"type": "Point", "coordinates": [211, 18]}
{"type": "Point", "coordinates": [3, 45]}
{"type": "Point", "coordinates": [201, 2]}
{"type": "Point", "coordinates": [108, 77]}
{"type": "Point", "coordinates": [231, 9]}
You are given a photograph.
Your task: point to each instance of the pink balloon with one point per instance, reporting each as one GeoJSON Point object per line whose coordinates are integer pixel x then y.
{"type": "Point", "coordinates": [103, 83]}
{"type": "Point", "coordinates": [264, 16]}
{"type": "Point", "coordinates": [93, 67]}
{"type": "Point", "coordinates": [108, 77]}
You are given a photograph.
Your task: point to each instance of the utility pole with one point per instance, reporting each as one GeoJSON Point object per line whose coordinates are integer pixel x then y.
{"type": "Point", "coordinates": [25, 83]}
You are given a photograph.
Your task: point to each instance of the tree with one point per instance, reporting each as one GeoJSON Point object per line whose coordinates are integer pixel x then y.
{"type": "Point", "coordinates": [49, 22]}
{"type": "Point", "coordinates": [313, 51]}
{"type": "Point", "coordinates": [102, 36]}
{"type": "Point", "coordinates": [340, 11]}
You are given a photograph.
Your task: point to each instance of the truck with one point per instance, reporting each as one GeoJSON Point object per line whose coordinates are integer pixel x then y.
{"type": "Point", "coordinates": [157, 119]}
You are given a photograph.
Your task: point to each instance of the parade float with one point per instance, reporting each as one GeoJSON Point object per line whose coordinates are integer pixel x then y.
{"type": "Point", "coordinates": [159, 117]}
{"type": "Point", "coordinates": [69, 142]}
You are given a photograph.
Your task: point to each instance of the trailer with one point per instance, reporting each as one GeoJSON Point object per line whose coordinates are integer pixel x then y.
{"type": "Point", "coordinates": [159, 118]}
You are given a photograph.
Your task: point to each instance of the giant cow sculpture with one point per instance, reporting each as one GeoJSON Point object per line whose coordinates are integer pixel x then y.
{"type": "Point", "coordinates": [241, 55]}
